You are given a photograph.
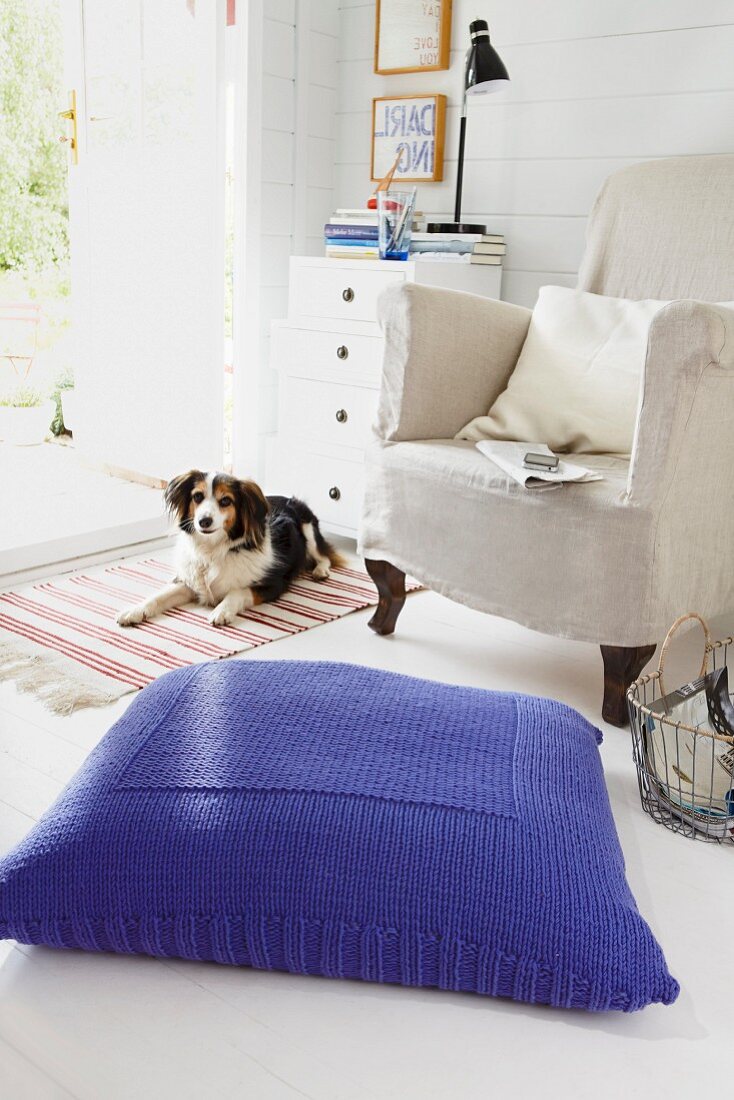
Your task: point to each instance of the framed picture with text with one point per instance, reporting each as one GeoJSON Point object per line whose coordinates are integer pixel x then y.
{"type": "Point", "coordinates": [412, 36]}
{"type": "Point", "coordinates": [412, 128]}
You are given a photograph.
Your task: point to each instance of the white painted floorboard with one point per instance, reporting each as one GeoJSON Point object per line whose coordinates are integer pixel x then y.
{"type": "Point", "coordinates": [101, 1026]}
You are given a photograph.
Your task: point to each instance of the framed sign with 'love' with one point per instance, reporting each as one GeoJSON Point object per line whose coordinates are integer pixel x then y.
{"type": "Point", "coordinates": [412, 36]}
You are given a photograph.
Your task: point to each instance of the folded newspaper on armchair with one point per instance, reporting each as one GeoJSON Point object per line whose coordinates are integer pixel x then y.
{"type": "Point", "coordinates": [509, 457]}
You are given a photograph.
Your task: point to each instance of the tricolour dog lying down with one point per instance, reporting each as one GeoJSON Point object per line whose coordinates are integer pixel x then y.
{"type": "Point", "coordinates": [237, 547]}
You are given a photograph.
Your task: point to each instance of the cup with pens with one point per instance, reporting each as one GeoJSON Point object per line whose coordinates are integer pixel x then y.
{"type": "Point", "coordinates": [395, 222]}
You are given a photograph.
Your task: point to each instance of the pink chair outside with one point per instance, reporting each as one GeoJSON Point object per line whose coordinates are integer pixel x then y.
{"type": "Point", "coordinates": [19, 323]}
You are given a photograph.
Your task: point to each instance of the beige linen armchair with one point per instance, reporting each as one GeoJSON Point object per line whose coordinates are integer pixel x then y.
{"type": "Point", "coordinates": [612, 562]}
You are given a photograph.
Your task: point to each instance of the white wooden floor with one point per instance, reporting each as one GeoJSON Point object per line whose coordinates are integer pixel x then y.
{"type": "Point", "coordinates": [103, 1027]}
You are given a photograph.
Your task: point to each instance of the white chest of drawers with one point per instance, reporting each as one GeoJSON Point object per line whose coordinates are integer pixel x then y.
{"type": "Point", "coordinates": [329, 356]}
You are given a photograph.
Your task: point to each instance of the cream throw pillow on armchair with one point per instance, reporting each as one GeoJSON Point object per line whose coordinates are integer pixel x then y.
{"type": "Point", "coordinates": [577, 382]}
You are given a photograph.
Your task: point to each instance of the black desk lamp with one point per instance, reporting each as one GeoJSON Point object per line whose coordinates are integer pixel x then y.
{"type": "Point", "coordinates": [484, 73]}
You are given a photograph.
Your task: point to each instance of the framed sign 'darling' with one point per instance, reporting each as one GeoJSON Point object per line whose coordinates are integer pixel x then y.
{"type": "Point", "coordinates": [412, 36]}
{"type": "Point", "coordinates": [414, 127]}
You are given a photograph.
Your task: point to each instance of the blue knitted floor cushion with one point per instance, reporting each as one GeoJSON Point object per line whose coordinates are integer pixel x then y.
{"type": "Point", "coordinates": [338, 820]}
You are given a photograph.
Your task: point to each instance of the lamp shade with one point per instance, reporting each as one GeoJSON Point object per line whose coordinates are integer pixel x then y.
{"type": "Point", "coordinates": [485, 70]}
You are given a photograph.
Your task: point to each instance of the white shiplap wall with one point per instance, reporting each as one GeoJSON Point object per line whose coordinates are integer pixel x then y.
{"type": "Point", "coordinates": [291, 116]}
{"type": "Point", "coordinates": [594, 87]}
{"type": "Point", "coordinates": [299, 146]}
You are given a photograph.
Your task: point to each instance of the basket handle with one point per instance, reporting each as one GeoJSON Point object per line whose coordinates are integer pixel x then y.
{"type": "Point", "coordinates": [669, 637]}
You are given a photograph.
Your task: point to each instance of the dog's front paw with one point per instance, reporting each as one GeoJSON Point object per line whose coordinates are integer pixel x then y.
{"type": "Point", "coordinates": [222, 615]}
{"type": "Point", "coordinates": [321, 572]}
{"type": "Point", "coordinates": [131, 616]}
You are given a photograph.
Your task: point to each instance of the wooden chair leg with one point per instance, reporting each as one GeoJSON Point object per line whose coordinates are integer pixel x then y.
{"type": "Point", "coordinates": [622, 665]}
{"type": "Point", "coordinates": [390, 584]}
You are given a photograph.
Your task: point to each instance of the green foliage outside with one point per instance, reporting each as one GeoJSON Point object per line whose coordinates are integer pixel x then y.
{"type": "Point", "coordinates": [22, 398]}
{"type": "Point", "coordinates": [34, 223]}
{"type": "Point", "coordinates": [33, 208]}
{"type": "Point", "coordinates": [64, 380]}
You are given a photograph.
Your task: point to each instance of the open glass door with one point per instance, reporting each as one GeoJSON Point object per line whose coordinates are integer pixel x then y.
{"type": "Point", "coordinates": [141, 118]}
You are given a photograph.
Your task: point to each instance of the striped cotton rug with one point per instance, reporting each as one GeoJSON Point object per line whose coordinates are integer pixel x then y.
{"type": "Point", "coordinates": [60, 642]}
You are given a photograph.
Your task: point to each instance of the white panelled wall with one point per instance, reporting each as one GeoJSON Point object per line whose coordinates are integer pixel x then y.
{"type": "Point", "coordinates": [594, 87]}
{"type": "Point", "coordinates": [290, 101]}
{"type": "Point", "coordinates": [299, 147]}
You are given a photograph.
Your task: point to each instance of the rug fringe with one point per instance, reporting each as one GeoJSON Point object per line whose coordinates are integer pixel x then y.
{"type": "Point", "coordinates": [49, 679]}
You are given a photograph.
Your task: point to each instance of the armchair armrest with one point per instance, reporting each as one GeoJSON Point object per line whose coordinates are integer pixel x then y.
{"type": "Point", "coordinates": [448, 356]}
{"type": "Point", "coordinates": [684, 440]}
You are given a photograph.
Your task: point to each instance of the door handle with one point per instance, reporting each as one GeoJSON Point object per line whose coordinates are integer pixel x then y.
{"type": "Point", "coordinates": [70, 114]}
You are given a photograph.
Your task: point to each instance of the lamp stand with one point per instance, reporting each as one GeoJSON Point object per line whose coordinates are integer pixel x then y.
{"type": "Point", "coordinates": [457, 226]}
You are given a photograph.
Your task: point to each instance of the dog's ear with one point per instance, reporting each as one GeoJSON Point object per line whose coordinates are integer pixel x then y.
{"type": "Point", "coordinates": [253, 509]}
{"type": "Point", "coordinates": [178, 496]}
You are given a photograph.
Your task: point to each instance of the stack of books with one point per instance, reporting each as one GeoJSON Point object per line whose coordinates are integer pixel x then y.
{"type": "Point", "coordinates": [351, 234]}
{"type": "Point", "coordinates": [469, 248]}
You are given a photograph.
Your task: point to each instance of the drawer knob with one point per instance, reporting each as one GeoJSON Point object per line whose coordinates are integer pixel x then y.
{"type": "Point", "coordinates": [342, 352]}
{"type": "Point", "coordinates": [348, 294]}
{"type": "Point", "coordinates": [335, 492]}
{"type": "Point", "coordinates": [341, 416]}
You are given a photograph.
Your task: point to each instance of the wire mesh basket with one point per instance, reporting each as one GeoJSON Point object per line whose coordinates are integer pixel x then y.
{"type": "Point", "coordinates": [684, 770]}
